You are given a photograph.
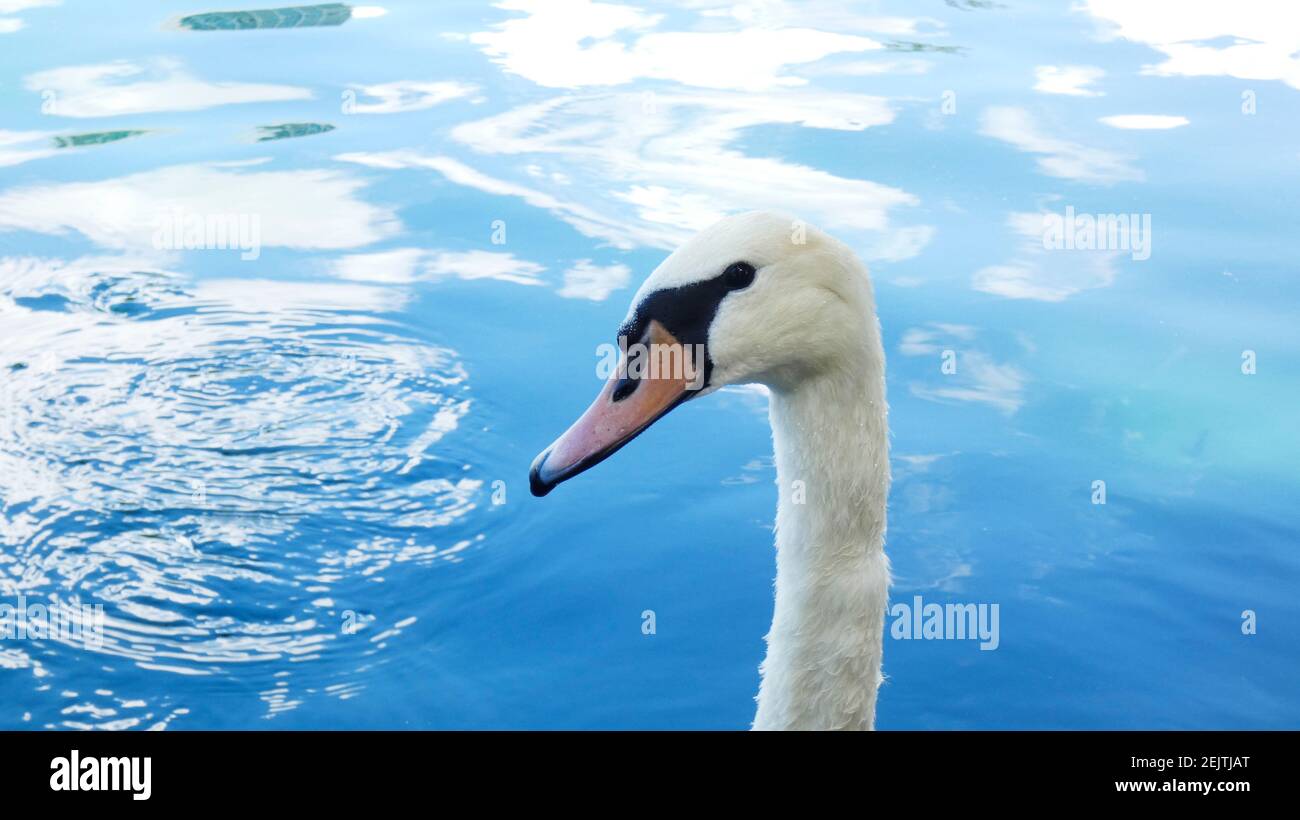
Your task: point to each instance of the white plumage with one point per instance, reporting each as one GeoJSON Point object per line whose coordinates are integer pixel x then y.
{"type": "Point", "coordinates": [806, 328]}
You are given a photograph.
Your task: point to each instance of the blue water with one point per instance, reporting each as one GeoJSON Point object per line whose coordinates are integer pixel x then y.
{"type": "Point", "coordinates": [296, 484]}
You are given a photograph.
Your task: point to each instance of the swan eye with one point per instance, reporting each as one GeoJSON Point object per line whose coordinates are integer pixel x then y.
{"type": "Point", "coordinates": [738, 275]}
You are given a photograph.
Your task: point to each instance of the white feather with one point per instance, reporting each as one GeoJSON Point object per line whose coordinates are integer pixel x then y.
{"type": "Point", "coordinates": [807, 329]}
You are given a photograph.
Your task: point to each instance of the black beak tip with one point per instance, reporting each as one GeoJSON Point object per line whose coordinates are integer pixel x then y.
{"type": "Point", "coordinates": [537, 484]}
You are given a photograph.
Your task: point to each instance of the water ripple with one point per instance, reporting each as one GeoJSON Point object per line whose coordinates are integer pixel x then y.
{"type": "Point", "coordinates": [178, 451]}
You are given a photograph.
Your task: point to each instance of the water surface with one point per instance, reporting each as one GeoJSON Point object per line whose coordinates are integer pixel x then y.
{"type": "Point", "coordinates": [293, 472]}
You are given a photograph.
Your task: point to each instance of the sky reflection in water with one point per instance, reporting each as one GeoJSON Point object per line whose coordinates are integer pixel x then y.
{"type": "Point", "coordinates": [277, 473]}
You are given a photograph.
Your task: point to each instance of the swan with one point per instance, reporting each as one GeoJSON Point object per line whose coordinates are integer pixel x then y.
{"type": "Point", "coordinates": [771, 300]}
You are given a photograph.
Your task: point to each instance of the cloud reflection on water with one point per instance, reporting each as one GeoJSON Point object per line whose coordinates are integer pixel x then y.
{"type": "Point", "coordinates": [295, 209]}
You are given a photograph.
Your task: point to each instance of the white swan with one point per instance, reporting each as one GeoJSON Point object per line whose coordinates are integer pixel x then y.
{"type": "Point", "coordinates": [777, 303]}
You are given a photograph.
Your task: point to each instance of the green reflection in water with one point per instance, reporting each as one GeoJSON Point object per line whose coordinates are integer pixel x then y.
{"type": "Point", "coordinates": [326, 14]}
{"type": "Point", "coordinates": [94, 138]}
{"type": "Point", "coordinates": [909, 45]}
{"type": "Point", "coordinates": [288, 130]}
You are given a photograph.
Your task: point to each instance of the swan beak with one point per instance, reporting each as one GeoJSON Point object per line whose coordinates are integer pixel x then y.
{"type": "Point", "coordinates": [624, 408]}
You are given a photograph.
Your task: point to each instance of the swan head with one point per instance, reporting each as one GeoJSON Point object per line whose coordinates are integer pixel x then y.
{"type": "Point", "coordinates": [755, 298]}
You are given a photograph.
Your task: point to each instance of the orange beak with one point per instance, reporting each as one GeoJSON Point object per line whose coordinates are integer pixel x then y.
{"type": "Point", "coordinates": [624, 408]}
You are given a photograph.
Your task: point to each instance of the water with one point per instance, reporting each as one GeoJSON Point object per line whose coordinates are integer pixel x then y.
{"type": "Point", "coordinates": [279, 468]}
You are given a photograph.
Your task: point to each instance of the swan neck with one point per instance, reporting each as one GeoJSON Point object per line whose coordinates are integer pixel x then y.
{"type": "Point", "coordinates": [832, 462]}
